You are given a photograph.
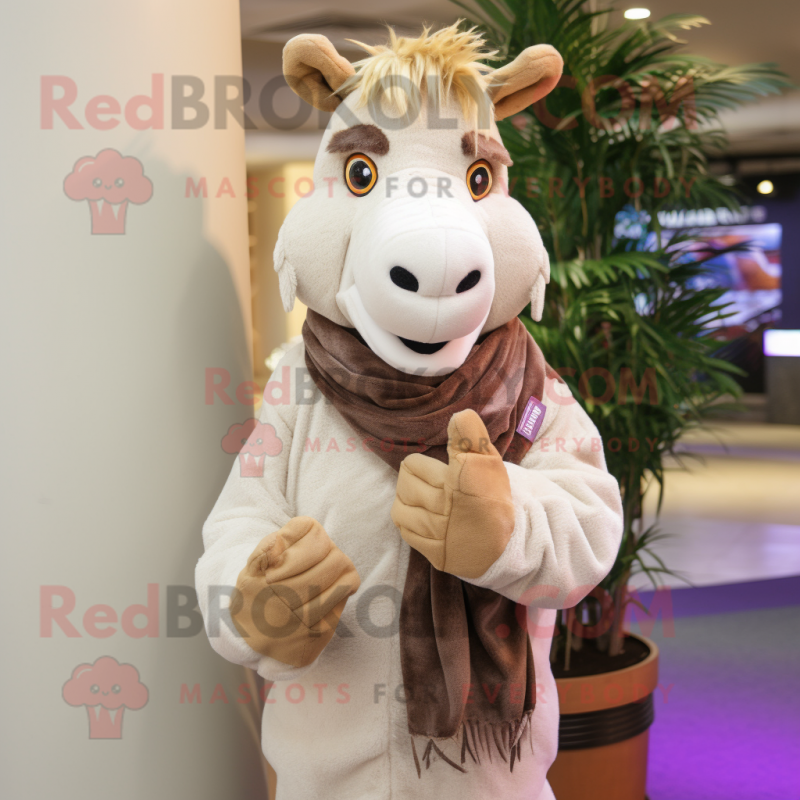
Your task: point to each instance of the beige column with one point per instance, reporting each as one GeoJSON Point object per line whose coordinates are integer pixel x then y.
{"type": "Point", "coordinates": [125, 279]}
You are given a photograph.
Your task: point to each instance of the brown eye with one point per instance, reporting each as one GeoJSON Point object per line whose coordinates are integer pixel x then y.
{"type": "Point", "coordinates": [479, 179]}
{"type": "Point", "coordinates": [360, 174]}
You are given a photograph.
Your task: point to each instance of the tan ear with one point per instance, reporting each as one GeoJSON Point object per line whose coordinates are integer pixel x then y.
{"type": "Point", "coordinates": [532, 75]}
{"type": "Point", "coordinates": [314, 70]}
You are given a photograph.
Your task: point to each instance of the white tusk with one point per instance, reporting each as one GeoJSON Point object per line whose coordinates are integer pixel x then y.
{"type": "Point", "coordinates": [537, 298]}
{"type": "Point", "coordinates": [287, 277]}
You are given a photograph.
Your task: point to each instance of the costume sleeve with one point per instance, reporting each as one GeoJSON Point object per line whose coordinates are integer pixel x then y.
{"type": "Point", "coordinates": [567, 514]}
{"type": "Point", "coordinates": [249, 508]}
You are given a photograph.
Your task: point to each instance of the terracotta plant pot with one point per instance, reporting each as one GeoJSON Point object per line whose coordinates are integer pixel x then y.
{"type": "Point", "coordinates": [604, 732]}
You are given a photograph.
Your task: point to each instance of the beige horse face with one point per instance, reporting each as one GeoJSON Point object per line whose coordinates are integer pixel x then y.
{"type": "Point", "coordinates": [410, 235]}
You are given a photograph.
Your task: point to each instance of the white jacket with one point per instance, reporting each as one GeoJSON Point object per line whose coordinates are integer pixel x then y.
{"type": "Point", "coordinates": [337, 729]}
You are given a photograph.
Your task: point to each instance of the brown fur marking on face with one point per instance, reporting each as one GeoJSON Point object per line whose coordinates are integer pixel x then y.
{"type": "Point", "coordinates": [484, 147]}
{"type": "Point", "coordinates": [359, 139]}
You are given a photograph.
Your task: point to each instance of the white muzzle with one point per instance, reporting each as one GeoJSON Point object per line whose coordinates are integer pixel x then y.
{"type": "Point", "coordinates": [418, 280]}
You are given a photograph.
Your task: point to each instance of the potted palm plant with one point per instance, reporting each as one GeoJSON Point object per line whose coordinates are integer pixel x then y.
{"type": "Point", "coordinates": [626, 318]}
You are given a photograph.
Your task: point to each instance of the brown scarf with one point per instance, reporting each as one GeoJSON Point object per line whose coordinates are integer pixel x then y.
{"type": "Point", "coordinates": [466, 660]}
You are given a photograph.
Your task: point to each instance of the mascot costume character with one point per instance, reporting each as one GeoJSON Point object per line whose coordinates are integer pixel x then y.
{"type": "Point", "coordinates": [436, 494]}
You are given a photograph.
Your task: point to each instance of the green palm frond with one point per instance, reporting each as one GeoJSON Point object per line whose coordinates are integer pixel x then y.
{"type": "Point", "coordinates": [611, 307]}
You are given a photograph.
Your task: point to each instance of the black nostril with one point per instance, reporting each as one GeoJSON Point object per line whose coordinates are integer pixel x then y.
{"type": "Point", "coordinates": [404, 279]}
{"type": "Point", "coordinates": [468, 282]}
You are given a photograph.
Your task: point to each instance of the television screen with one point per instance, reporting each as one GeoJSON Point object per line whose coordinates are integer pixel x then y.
{"type": "Point", "coordinates": [750, 277]}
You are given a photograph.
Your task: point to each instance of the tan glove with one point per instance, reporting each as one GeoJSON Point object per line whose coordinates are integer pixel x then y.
{"type": "Point", "coordinates": [289, 597]}
{"type": "Point", "coordinates": [459, 515]}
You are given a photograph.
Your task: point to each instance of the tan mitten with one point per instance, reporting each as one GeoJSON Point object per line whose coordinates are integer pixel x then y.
{"type": "Point", "coordinates": [459, 515]}
{"type": "Point", "coordinates": [289, 597]}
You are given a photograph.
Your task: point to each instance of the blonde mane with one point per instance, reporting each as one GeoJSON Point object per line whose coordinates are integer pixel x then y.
{"type": "Point", "coordinates": [445, 63]}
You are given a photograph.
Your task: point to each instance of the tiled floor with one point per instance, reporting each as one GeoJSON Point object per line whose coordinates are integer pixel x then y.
{"type": "Point", "coordinates": [735, 515]}
{"type": "Point", "coordinates": [727, 708]}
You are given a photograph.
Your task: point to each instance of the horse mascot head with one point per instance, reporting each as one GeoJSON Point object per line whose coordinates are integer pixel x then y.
{"type": "Point", "coordinates": [410, 236]}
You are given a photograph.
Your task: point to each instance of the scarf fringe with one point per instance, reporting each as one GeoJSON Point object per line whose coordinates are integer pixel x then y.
{"type": "Point", "coordinates": [480, 739]}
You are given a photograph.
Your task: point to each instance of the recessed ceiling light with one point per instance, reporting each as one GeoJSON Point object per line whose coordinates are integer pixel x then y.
{"type": "Point", "coordinates": [765, 187]}
{"type": "Point", "coordinates": [637, 13]}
